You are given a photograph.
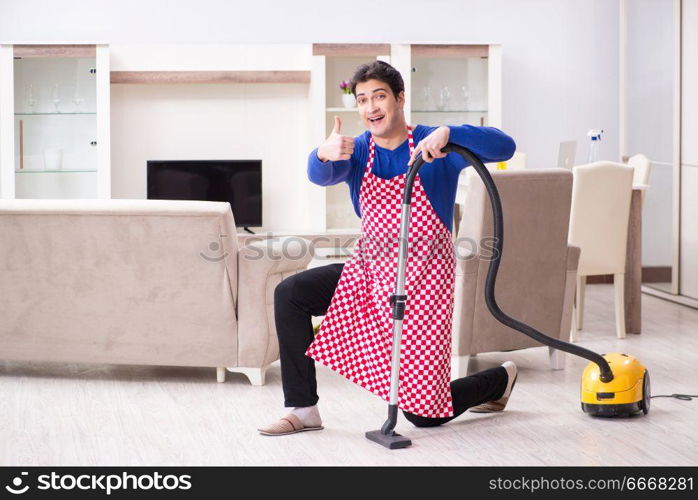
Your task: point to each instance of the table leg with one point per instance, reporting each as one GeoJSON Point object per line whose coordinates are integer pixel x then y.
{"type": "Point", "coordinates": [633, 266]}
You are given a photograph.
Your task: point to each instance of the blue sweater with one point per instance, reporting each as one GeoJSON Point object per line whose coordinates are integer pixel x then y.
{"type": "Point", "coordinates": [439, 178]}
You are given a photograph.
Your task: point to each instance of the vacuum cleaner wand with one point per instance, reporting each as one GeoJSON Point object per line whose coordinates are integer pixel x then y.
{"type": "Point", "coordinates": [387, 436]}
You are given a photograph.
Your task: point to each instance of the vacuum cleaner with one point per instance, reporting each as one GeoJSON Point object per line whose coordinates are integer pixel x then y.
{"type": "Point", "coordinates": [620, 391]}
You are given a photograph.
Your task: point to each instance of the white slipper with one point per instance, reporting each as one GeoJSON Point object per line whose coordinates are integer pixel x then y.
{"type": "Point", "coordinates": [290, 424]}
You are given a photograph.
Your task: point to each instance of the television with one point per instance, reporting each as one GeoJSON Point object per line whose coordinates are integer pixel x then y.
{"type": "Point", "coordinates": [239, 182]}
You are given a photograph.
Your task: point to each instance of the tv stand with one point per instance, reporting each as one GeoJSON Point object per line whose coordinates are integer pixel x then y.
{"type": "Point", "coordinates": [248, 230]}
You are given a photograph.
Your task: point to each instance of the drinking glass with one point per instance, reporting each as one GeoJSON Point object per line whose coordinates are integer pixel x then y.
{"type": "Point", "coordinates": [426, 98]}
{"type": "Point", "coordinates": [29, 94]}
{"type": "Point", "coordinates": [466, 97]}
{"type": "Point", "coordinates": [56, 97]}
{"type": "Point", "coordinates": [444, 97]}
{"type": "Point", "coordinates": [77, 100]}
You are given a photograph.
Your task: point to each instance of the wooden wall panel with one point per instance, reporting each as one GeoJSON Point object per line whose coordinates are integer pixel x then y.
{"type": "Point", "coordinates": [167, 77]}
{"type": "Point", "coordinates": [450, 50]}
{"type": "Point", "coordinates": [55, 51]}
{"type": "Point", "coordinates": [351, 49]}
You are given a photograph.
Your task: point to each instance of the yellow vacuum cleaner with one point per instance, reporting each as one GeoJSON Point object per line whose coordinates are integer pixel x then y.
{"type": "Point", "coordinates": [628, 393]}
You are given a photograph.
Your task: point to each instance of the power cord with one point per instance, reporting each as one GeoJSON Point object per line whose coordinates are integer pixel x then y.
{"type": "Point", "coordinates": [682, 397]}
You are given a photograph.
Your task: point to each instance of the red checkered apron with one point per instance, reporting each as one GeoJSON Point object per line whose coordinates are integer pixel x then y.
{"type": "Point", "coordinates": [355, 337]}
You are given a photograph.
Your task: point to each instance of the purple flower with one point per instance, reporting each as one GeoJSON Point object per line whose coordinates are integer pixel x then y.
{"type": "Point", "coordinates": [345, 85]}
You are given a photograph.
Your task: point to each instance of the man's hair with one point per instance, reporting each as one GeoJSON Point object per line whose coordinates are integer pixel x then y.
{"type": "Point", "coordinates": [378, 70]}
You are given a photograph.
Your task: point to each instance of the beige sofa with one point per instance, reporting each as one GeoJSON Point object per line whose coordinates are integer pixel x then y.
{"type": "Point", "coordinates": [139, 282]}
{"type": "Point", "coordinates": [537, 274]}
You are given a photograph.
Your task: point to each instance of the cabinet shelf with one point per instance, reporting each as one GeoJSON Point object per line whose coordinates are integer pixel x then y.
{"type": "Point", "coordinates": [449, 111]}
{"type": "Point", "coordinates": [179, 77]}
{"type": "Point", "coordinates": [54, 113]}
{"type": "Point", "coordinates": [354, 110]}
{"type": "Point", "coordinates": [40, 171]}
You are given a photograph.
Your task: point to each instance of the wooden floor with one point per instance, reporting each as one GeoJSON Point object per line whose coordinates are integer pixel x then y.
{"type": "Point", "coordinates": [130, 415]}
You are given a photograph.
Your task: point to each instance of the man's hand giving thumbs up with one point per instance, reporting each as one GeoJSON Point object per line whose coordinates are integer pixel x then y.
{"type": "Point", "coordinates": [336, 146]}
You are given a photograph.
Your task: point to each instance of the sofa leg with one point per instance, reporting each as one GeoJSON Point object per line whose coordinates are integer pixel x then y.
{"type": "Point", "coordinates": [256, 376]}
{"type": "Point", "coordinates": [459, 366]}
{"type": "Point", "coordinates": [220, 374]}
{"type": "Point", "coordinates": [581, 289]}
{"type": "Point", "coordinates": [557, 359]}
{"type": "Point", "coordinates": [574, 333]}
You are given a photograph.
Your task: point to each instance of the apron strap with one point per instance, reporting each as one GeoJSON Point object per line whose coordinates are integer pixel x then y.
{"type": "Point", "coordinates": [372, 148]}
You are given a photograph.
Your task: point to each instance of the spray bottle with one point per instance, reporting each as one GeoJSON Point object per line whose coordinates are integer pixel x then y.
{"type": "Point", "coordinates": [595, 136]}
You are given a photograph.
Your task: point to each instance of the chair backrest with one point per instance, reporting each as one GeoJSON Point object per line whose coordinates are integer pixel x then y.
{"type": "Point", "coordinates": [599, 218]}
{"type": "Point", "coordinates": [533, 269]}
{"type": "Point", "coordinates": [566, 154]}
{"type": "Point", "coordinates": [641, 169]}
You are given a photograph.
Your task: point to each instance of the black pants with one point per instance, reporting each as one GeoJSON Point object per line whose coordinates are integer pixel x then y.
{"type": "Point", "coordinates": [309, 293]}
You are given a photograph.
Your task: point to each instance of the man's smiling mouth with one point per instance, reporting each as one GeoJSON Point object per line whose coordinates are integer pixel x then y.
{"type": "Point", "coordinates": [376, 119]}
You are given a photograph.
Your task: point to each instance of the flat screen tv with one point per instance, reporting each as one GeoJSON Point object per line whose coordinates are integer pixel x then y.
{"type": "Point", "coordinates": [238, 182]}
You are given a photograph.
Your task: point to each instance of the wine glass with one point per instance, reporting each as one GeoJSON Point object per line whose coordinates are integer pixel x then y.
{"type": "Point", "coordinates": [29, 94]}
{"type": "Point", "coordinates": [466, 97]}
{"type": "Point", "coordinates": [444, 97]}
{"type": "Point", "coordinates": [77, 100]}
{"type": "Point", "coordinates": [426, 98]}
{"type": "Point", "coordinates": [56, 97]}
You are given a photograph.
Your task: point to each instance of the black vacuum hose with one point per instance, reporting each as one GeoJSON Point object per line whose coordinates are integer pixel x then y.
{"type": "Point", "coordinates": [606, 374]}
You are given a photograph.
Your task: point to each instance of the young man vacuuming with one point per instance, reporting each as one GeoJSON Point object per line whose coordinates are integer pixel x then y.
{"type": "Point", "coordinates": [355, 337]}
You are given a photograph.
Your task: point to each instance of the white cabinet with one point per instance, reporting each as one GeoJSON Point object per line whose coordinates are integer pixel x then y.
{"type": "Point", "coordinates": [450, 85]}
{"type": "Point", "coordinates": [689, 84]}
{"type": "Point", "coordinates": [688, 277]}
{"type": "Point", "coordinates": [660, 67]}
{"type": "Point", "coordinates": [651, 113]}
{"type": "Point", "coordinates": [54, 119]}
{"type": "Point", "coordinates": [445, 84]}
{"type": "Point", "coordinates": [688, 260]}
{"type": "Point", "coordinates": [335, 64]}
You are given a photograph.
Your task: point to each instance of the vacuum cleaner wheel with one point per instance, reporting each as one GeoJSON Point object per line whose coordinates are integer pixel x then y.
{"type": "Point", "coordinates": [646, 393]}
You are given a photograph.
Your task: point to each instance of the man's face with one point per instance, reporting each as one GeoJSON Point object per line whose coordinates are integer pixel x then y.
{"type": "Point", "coordinates": [380, 111]}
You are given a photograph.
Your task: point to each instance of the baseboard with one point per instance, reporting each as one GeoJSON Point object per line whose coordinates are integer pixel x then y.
{"type": "Point", "coordinates": [678, 299]}
{"type": "Point", "coordinates": [650, 274]}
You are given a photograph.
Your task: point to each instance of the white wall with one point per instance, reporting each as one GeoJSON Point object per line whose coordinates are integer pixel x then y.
{"type": "Point", "coordinates": [158, 122]}
{"type": "Point", "coordinates": [215, 122]}
{"type": "Point", "coordinates": [560, 57]}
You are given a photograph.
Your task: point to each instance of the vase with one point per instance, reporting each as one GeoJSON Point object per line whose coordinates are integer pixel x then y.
{"type": "Point", "coordinates": [348, 100]}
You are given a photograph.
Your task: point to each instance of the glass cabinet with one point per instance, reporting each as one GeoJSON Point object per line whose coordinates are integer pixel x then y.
{"type": "Point", "coordinates": [445, 84]}
{"type": "Point", "coordinates": [449, 85]}
{"type": "Point", "coordinates": [340, 68]}
{"type": "Point", "coordinates": [59, 122]}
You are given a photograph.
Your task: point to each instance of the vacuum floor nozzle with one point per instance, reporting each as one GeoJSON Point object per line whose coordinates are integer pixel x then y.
{"type": "Point", "coordinates": [392, 441]}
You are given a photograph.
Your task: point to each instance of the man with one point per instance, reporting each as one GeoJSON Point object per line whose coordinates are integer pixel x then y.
{"type": "Point", "coordinates": [356, 332]}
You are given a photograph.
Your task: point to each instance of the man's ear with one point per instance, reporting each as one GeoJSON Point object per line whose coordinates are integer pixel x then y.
{"type": "Point", "coordinates": [401, 98]}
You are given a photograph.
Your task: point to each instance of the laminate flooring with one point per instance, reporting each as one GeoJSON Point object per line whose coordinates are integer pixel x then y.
{"type": "Point", "coordinates": [79, 414]}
